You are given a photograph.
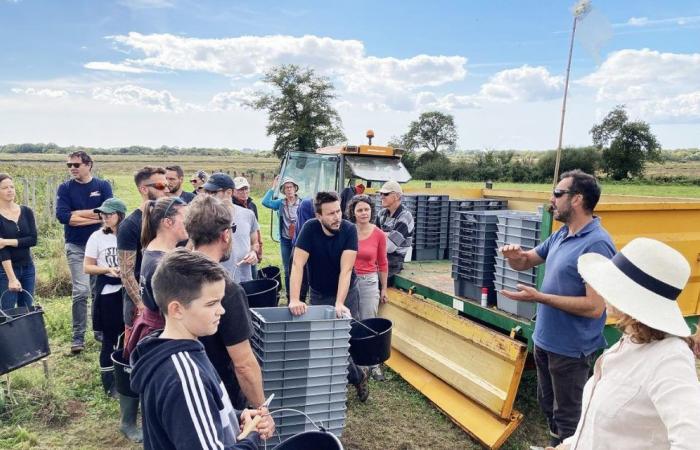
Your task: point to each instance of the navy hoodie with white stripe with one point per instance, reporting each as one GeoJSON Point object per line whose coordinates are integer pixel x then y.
{"type": "Point", "coordinates": [184, 403]}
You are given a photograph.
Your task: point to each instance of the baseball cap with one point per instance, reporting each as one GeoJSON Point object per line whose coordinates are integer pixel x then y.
{"type": "Point", "coordinates": [111, 205]}
{"type": "Point", "coordinates": [391, 186]}
{"type": "Point", "coordinates": [200, 175]}
{"type": "Point", "coordinates": [218, 181]}
{"type": "Point", "coordinates": [240, 183]}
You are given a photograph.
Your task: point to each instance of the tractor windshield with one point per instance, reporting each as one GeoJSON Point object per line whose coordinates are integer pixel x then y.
{"type": "Point", "coordinates": [312, 172]}
{"type": "Point", "coordinates": [378, 168]}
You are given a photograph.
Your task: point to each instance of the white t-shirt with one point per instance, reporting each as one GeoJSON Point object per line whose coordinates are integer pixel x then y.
{"type": "Point", "coordinates": [246, 224]}
{"type": "Point", "coordinates": [103, 247]}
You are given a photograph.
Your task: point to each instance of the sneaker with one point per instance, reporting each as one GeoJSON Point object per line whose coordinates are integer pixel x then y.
{"type": "Point", "coordinates": [363, 387]}
{"type": "Point", "coordinates": [377, 374]}
{"type": "Point", "coordinates": [77, 348]}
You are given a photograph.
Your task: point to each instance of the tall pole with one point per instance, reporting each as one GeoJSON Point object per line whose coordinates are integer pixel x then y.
{"type": "Point", "coordinates": [563, 105]}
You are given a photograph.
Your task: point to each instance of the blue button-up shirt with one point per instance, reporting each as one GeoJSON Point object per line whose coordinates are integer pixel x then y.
{"type": "Point", "coordinates": [558, 331]}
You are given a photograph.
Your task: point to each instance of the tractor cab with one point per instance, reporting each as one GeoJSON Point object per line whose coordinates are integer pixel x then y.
{"type": "Point", "coordinates": [336, 167]}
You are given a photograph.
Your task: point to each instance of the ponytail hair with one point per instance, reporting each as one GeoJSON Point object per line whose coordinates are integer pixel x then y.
{"type": "Point", "coordinates": [154, 213]}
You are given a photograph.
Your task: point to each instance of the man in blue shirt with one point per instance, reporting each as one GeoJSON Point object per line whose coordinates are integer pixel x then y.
{"type": "Point", "coordinates": [570, 321]}
{"type": "Point", "coordinates": [76, 200]}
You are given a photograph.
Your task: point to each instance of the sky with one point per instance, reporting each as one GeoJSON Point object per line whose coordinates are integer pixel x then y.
{"type": "Point", "coordinates": [178, 72]}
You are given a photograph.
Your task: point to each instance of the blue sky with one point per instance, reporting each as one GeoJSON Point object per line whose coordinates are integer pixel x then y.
{"type": "Point", "coordinates": [176, 72]}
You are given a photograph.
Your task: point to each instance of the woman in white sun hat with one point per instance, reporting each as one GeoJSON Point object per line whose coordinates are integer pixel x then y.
{"type": "Point", "coordinates": [644, 393]}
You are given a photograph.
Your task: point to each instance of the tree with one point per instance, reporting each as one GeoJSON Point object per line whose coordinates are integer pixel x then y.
{"type": "Point", "coordinates": [626, 145]}
{"type": "Point", "coordinates": [409, 157]}
{"type": "Point", "coordinates": [432, 131]}
{"type": "Point", "coordinates": [299, 115]}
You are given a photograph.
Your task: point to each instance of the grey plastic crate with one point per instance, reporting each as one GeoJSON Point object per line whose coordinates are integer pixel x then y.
{"type": "Point", "coordinates": [472, 291]}
{"type": "Point", "coordinates": [307, 391]}
{"type": "Point", "coordinates": [526, 310]}
{"type": "Point", "coordinates": [326, 371]}
{"type": "Point", "coordinates": [280, 319]}
{"type": "Point", "coordinates": [304, 382]}
{"type": "Point", "coordinates": [308, 336]}
{"type": "Point", "coordinates": [303, 344]}
{"type": "Point", "coordinates": [305, 363]}
{"type": "Point", "coordinates": [427, 254]}
{"type": "Point", "coordinates": [303, 400]}
{"type": "Point", "coordinates": [524, 276]}
{"type": "Point", "coordinates": [530, 233]}
{"type": "Point", "coordinates": [337, 431]}
{"type": "Point", "coordinates": [513, 238]}
{"type": "Point", "coordinates": [340, 350]}
{"type": "Point", "coordinates": [513, 219]}
{"type": "Point", "coordinates": [294, 418]}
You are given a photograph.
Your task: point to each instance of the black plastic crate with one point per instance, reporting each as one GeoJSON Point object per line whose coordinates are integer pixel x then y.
{"type": "Point", "coordinates": [427, 254]}
{"type": "Point", "coordinates": [470, 290]}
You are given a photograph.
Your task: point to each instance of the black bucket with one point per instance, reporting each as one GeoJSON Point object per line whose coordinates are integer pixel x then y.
{"type": "Point", "coordinates": [271, 273]}
{"type": "Point", "coordinates": [122, 374]}
{"type": "Point", "coordinates": [23, 337]}
{"type": "Point", "coordinates": [308, 440]}
{"type": "Point", "coordinates": [261, 293]}
{"type": "Point", "coordinates": [368, 348]}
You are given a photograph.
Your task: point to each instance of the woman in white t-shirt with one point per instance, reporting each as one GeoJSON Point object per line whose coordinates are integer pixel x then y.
{"type": "Point", "coordinates": [101, 260]}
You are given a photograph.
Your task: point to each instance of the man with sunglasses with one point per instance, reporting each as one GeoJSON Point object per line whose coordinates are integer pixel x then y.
{"type": "Point", "coordinates": [570, 321]}
{"type": "Point", "coordinates": [397, 224]}
{"type": "Point", "coordinates": [245, 238]}
{"type": "Point", "coordinates": [76, 200]}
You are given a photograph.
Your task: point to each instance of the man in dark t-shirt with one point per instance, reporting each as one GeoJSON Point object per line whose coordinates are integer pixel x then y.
{"type": "Point", "coordinates": [208, 224]}
{"type": "Point", "coordinates": [328, 245]}
{"type": "Point", "coordinates": [152, 185]}
{"type": "Point", "coordinates": [76, 200]}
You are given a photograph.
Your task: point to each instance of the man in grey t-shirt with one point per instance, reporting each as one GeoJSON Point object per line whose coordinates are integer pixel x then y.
{"type": "Point", "coordinates": [245, 237]}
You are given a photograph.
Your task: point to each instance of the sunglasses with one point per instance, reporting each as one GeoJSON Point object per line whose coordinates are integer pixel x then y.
{"type": "Point", "coordinates": [386, 194]}
{"type": "Point", "coordinates": [158, 185]}
{"type": "Point", "coordinates": [557, 193]}
{"type": "Point", "coordinates": [73, 165]}
{"type": "Point", "coordinates": [177, 200]}
{"type": "Point", "coordinates": [106, 214]}
{"type": "Point", "coordinates": [234, 227]}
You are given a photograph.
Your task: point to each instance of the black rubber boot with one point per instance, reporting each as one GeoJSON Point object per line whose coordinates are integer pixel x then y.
{"type": "Point", "coordinates": [107, 375]}
{"type": "Point", "coordinates": [129, 408]}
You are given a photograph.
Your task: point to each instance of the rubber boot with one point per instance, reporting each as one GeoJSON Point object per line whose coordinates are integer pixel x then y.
{"type": "Point", "coordinates": [108, 381]}
{"type": "Point", "coordinates": [129, 408]}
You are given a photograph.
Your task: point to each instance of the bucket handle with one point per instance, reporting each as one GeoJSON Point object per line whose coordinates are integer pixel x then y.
{"type": "Point", "coordinates": [363, 325]}
{"type": "Point", "coordinates": [3, 294]}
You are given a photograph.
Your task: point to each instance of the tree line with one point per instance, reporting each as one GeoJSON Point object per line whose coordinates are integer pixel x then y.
{"type": "Point", "coordinates": [164, 150]}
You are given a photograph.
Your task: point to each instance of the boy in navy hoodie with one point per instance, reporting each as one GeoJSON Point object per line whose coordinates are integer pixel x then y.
{"type": "Point", "coordinates": [184, 403]}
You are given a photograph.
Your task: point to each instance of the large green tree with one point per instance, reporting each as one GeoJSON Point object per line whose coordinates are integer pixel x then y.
{"type": "Point", "coordinates": [433, 131]}
{"type": "Point", "coordinates": [299, 113]}
{"type": "Point", "coordinates": [626, 145]}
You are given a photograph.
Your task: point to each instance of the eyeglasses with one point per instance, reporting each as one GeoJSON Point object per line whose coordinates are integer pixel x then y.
{"type": "Point", "coordinates": [73, 165]}
{"type": "Point", "coordinates": [207, 191]}
{"type": "Point", "coordinates": [177, 200]}
{"type": "Point", "coordinates": [386, 194]}
{"type": "Point", "coordinates": [106, 214]}
{"type": "Point", "coordinates": [557, 193]}
{"type": "Point", "coordinates": [157, 185]}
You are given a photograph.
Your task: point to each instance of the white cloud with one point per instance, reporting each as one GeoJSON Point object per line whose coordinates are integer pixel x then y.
{"type": "Point", "coordinates": [146, 4]}
{"type": "Point", "coordinates": [111, 67]}
{"type": "Point", "coordinates": [389, 82]}
{"type": "Point", "coordinates": [226, 101]}
{"type": "Point", "coordinates": [639, 22]}
{"type": "Point", "coordinates": [678, 109]}
{"type": "Point", "coordinates": [132, 95]}
{"type": "Point", "coordinates": [634, 75]}
{"type": "Point", "coordinates": [449, 102]}
{"type": "Point", "coordinates": [49, 93]}
{"type": "Point", "coordinates": [522, 84]}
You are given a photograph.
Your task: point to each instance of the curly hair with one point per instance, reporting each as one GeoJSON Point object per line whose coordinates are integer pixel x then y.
{"type": "Point", "coordinates": [362, 198]}
{"type": "Point", "coordinates": [640, 333]}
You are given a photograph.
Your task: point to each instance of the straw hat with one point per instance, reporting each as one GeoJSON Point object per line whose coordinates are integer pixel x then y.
{"type": "Point", "coordinates": [643, 281]}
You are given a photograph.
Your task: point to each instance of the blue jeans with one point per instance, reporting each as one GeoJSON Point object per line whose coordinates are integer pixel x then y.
{"type": "Point", "coordinates": [27, 278]}
{"type": "Point", "coordinates": [286, 249]}
{"type": "Point", "coordinates": [81, 290]}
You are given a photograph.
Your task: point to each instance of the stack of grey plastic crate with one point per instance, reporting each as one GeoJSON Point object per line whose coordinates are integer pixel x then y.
{"type": "Point", "coordinates": [469, 204]}
{"type": "Point", "coordinates": [431, 224]}
{"type": "Point", "coordinates": [431, 227]}
{"type": "Point", "coordinates": [474, 252]}
{"type": "Point", "coordinates": [522, 228]}
{"type": "Point", "coordinates": [304, 362]}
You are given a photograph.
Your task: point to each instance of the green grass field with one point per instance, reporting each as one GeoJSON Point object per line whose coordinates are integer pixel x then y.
{"type": "Point", "coordinates": [69, 410]}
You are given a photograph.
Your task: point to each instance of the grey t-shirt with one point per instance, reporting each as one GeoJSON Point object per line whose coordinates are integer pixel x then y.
{"type": "Point", "coordinates": [246, 225]}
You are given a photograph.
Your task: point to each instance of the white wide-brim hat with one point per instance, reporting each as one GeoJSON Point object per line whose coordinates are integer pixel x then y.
{"type": "Point", "coordinates": [643, 281]}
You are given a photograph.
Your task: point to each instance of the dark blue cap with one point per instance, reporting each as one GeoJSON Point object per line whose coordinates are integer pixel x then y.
{"type": "Point", "coordinates": [218, 181]}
